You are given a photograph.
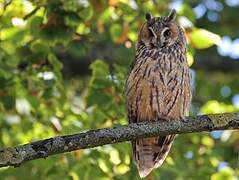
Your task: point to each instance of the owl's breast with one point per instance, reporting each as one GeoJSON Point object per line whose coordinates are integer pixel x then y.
{"type": "Point", "coordinates": [155, 87]}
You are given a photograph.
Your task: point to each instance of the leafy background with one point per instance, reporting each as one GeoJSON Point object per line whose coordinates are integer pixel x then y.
{"type": "Point", "coordinates": [62, 70]}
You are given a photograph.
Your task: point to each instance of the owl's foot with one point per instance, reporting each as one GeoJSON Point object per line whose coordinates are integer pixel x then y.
{"type": "Point", "coordinates": [184, 119]}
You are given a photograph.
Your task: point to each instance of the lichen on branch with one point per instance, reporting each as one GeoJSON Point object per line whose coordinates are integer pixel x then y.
{"type": "Point", "coordinates": [14, 156]}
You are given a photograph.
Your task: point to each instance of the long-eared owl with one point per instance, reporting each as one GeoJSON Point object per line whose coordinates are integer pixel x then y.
{"type": "Point", "coordinates": [158, 86]}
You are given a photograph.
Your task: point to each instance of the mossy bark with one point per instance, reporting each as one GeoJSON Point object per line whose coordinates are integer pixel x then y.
{"type": "Point", "coordinates": [43, 148]}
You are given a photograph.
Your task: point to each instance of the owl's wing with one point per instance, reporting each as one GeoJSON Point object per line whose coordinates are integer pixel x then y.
{"type": "Point", "coordinates": [148, 153]}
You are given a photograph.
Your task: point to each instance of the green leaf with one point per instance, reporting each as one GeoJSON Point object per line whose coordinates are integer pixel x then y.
{"type": "Point", "coordinates": [100, 84]}
{"type": "Point", "coordinates": [35, 24]}
{"type": "Point", "coordinates": [82, 29]}
{"type": "Point", "coordinates": [70, 5]}
{"type": "Point", "coordinates": [4, 82]}
{"type": "Point", "coordinates": [115, 31]}
{"type": "Point", "coordinates": [96, 97]}
{"type": "Point", "coordinates": [47, 93]}
{"type": "Point", "coordinates": [224, 174]}
{"type": "Point", "coordinates": [8, 102]}
{"type": "Point", "coordinates": [33, 101]}
{"type": "Point", "coordinates": [8, 47]}
{"type": "Point", "coordinates": [107, 14]}
{"type": "Point", "coordinates": [132, 35]}
{"type": "Point", "coordinates": [86, 13]}
{"type": "Point", "coordinates": [201, 38]}
{"type": "Point", "coordinates": [214, 106]}
{"type": "Point", "coordinates": [39, 46]}
{"type": "Point", "coordinates": [207, 141]}
{"type": "Point", "coordinates": [55, 62]}
{"type": "Point", "coordinates": [99, 69]}
{"type": "Point", "coordinates": [8, 33]}
{"type": "Point", "coordinates": [190, 59]}
{"type": "Point", "coordinates": [72, 19]}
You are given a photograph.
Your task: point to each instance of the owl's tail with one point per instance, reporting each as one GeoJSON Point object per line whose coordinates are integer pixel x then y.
{"type": "Point", "coordinates": [150, 153]}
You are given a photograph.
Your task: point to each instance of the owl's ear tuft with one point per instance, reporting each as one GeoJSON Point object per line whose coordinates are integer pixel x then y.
{"type": "Point", "coordinates": [172, 15]}
{"type": "Point", "coordinates": [148, 16]}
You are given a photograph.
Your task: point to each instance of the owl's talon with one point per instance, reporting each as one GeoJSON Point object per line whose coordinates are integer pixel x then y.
{"type": "Point", "coordinates": [184, 119]}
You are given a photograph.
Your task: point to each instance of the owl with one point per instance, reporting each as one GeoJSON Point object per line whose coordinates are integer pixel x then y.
{"type": "Point", "coordinates": [157, 86]}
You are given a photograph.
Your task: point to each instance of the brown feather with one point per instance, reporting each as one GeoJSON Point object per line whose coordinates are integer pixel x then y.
{"type": "Point", "coordinates": [157, 87]}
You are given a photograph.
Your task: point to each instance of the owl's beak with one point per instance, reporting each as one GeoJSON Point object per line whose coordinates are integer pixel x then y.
{"type": "Point", "coordinates": [162, 43]}
{"type": "Point", "coordinates": [159, 44]}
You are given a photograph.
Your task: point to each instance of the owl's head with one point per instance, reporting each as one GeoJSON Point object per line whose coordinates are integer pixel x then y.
{"type": "Point", "coordinates": [159, 32]}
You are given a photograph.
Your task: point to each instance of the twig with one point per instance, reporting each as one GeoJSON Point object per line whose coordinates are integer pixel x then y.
{"type": "Point", "coordinates": [31, 13]}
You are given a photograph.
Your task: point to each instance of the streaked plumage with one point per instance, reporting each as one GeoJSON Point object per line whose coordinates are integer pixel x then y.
{"type": "Point", "coordinates": [158, 86]}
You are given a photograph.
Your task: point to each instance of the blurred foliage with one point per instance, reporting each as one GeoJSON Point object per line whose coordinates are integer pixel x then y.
{"type": "Point", "coordinates": [43, 42]}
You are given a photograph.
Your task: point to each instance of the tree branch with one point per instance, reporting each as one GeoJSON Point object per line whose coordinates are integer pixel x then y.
{"type": "Point", "coordinates": [15, 156]}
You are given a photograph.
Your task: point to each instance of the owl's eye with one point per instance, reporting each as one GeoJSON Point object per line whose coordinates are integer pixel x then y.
{"type": "Point", "coordinates": [167, 32]}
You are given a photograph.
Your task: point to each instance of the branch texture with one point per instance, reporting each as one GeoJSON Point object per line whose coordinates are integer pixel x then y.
{"type": "Point", "coordinates": [15, 156]}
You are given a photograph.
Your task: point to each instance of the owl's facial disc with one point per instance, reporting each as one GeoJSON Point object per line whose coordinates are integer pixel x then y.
{"type": "Point", "coordinates": [170, 34]}
{"type": "Point", "coordinates": [160, 31]}
{"type": "Point", "coordinates": [166, 32]}
{"type": "Point", "coordinates": [165, 36]}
